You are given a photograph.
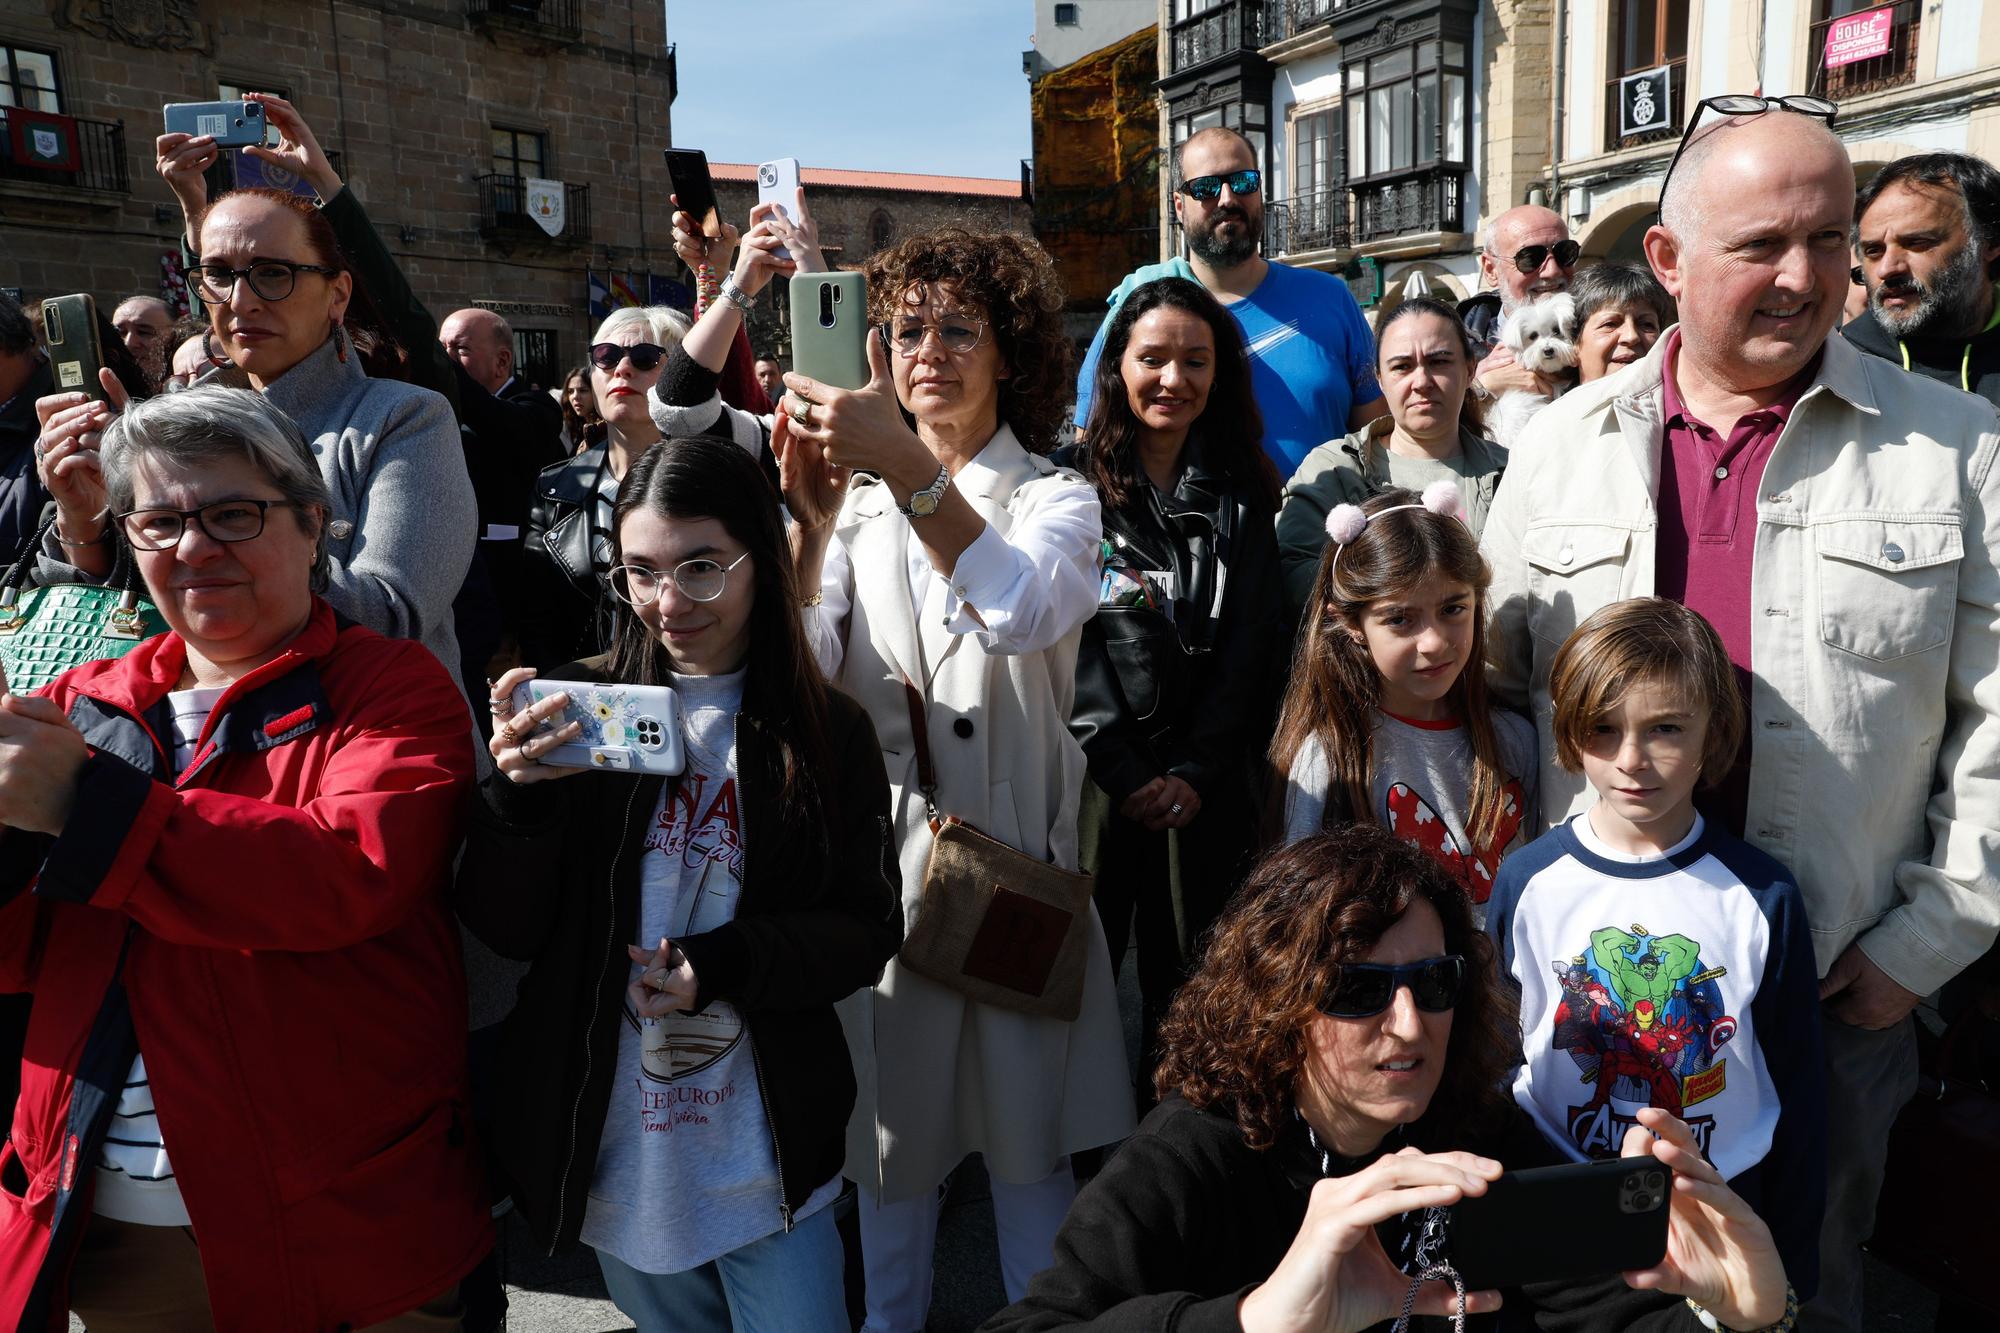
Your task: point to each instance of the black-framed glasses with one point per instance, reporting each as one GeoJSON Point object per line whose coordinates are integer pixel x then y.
{"type": "Point", "coordinates": [1363, 990]}
{"type": "Point", "coordinates": [699, 579]}
{"type": "Point", "coordinates": [645, 356]}
{"type": "Point", "coordinates": [223, 521]}
{"type": "Point", "coordinates": [1207, 188]}
{"type": "Point", "coordinates": [270, 279]}
{"type": "Point", "coordinates": [957, 334]}
{"type": "Point", "coordinates": [1530, 258]}
{"type": "Point", "coordinates": [1747, 104]}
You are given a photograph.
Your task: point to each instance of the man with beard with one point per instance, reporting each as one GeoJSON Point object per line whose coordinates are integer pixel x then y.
{"type": "Point", "coordinates": [1312, 358]}
{"type": "Point", "coordinates": [1927, 232]}
{"type": "Point", "coordinates": [146, 326]}
{"type": "Point", "coordinates": [1527, 254]}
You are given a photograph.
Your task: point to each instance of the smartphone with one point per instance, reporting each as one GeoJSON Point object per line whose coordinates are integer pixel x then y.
{"type": "Point", "coordinates": [626, 728]}
{"type": "Point", "coordinates": [1555, 1223]}
{"type": "Point", "coordinates": [76, 352]}
{"type": "Point", "coordinates": [830, 328]}
{"type": "Point", "coordinates": [778, 183]}
{"type": "Point", "coordinates": [234, 124]}
{"type": "Point", "coordinates": [687, 172]}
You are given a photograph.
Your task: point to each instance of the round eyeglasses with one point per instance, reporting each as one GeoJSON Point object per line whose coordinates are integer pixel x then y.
{"type": "Point", "coordinates": [700, 580]}
{"type": "Point", "coordinates": [223, 521]}
{"type": "Point", "coordinates": [270, 279]}
{"type": "Point", "coordinates": [955, 333]}
{"type": "Point", "coordinates": [644, 356]}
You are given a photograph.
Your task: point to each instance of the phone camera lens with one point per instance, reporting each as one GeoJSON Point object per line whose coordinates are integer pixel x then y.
{"type": "Point", "coordinates": [1654, 1180]}
{"type": "Point", "coordinates": [1641, 1202]}
{"type": "Point", "coordinates": [766, 177]}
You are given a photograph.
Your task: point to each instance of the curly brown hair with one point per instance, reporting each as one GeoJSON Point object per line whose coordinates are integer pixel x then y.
{"type": "Point", "coordinates": [1015, 281]}
{"type": "Point", "coordinates": [1236, 1034]}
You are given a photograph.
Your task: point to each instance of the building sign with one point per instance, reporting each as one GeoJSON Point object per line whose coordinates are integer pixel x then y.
{"type": "Point", "coordinates": [1859, 37]}
{"type": "Point", "coordinates": [544, 201]}
{"type": "Point", "coordinates": [527, 308]}
{"type": "Point", "coordinates": [1363, 277]}
{"type": "Point", "coordinates": [1645, 102]}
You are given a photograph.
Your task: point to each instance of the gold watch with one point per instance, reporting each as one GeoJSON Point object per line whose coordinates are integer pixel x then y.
{"type": "Point", "coordinates": [925, 502]}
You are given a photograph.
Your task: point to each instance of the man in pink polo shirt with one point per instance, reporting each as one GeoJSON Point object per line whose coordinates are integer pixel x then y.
{"type": "Point", "coordinates": [1836, 519]}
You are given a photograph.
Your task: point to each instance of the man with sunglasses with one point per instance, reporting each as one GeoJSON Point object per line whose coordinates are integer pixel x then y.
{"type": "Point", "coordinates": [1312, 357]}
{"type": "Point", "coordinates": [1837, 521]}
{"type": "Point", "coordinates": [1527, 255]}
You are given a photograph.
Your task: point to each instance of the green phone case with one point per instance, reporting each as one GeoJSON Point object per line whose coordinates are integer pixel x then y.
{"type": "Point", "coordinates": [830, 337]}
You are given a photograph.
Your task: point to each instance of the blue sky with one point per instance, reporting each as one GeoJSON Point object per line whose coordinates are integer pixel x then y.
{"type": "Point", "coordinates": [867, 85]}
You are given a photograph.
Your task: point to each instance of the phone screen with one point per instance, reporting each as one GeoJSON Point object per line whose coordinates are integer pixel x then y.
{"type": "Point", "coordinates": [687, 170]}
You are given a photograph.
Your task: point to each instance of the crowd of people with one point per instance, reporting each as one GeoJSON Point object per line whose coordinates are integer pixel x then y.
{"type": "Point", "coordinates": [1619, 793]}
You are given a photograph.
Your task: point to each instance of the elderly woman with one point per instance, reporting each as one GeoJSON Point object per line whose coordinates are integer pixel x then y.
{"type": "Point", "coordinates": [1424, 359]}
{"type": "Point", "coordinates": [951, 587]}
{"type": "Point", "coordinates": [1331, 1085]}
{"type": "Point", "coordinates": [286, 308]}
{"type": "Point", "coordinates": [225, 869]}
{"type": "Point", "coordinates": [565, 605]}
{"type": "Point", "coordinates": [1620, 311]}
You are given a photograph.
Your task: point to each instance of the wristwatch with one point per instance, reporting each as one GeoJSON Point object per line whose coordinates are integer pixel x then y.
{"type": "Point", "coordinates": [925, 502]}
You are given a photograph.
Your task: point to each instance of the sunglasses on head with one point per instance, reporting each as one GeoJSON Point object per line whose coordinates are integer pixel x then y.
{"type": "Point", "coordinates": [645, 356]}
{"type": "Point", "coordinates": [1747, 104]}
{"type": "Point", "coordinates": [1531, 257]}
{"type": "Point", "coordinates": [1207, 188]}
{"type": "Point", "coordinates": [1363, 990]}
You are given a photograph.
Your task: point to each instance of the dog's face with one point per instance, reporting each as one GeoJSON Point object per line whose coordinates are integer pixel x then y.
{"type": "Point", "coordinates": [1543, 335]}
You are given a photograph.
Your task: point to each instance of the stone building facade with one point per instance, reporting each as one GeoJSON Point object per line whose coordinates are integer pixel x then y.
{"type": "Point", "coordinates": [436, 109]}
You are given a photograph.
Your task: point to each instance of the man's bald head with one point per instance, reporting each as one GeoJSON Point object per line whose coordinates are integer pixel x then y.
{"type": "Point", "coordinates": [482, 343]}
{"type": "Point", "coordinates": [1741, 144]}
{"type": "Point", "coordinates": [1509, 234]}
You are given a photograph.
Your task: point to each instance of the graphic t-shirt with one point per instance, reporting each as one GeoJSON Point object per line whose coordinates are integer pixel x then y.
{"type": "Point", "coordinates": [1423, 791]}
{"type": "Point", "coordinates": [686, 1170]}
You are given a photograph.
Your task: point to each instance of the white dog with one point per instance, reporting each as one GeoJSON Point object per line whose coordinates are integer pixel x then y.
{"type": "Point", "coordinates": [1543, 336]}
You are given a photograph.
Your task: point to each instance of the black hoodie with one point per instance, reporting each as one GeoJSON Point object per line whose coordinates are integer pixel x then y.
{"type": "Point", "coordinates": [1971, 363]}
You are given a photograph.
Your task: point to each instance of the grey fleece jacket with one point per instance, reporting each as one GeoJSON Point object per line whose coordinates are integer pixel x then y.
{"type": "Point", "coordinates": [403, 521]}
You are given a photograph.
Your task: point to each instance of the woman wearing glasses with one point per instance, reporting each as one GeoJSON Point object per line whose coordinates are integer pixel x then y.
{"type": "Point", "coordinates": [951, 587]}
{"type": "Point", "coordinates": [564, 612]}
{"type": "Point", "coordinates": [675, 1087]}
{"type": "Point", "coordinates": [1332, 1082]}
{"type": "Point", "coordinates": [226, 889]}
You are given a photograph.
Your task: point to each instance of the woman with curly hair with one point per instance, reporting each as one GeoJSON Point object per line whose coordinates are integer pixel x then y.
{"type": "Point", "coordinates": [1331, 1083]}
{"type": "Point", "coordinates": [954, 567]}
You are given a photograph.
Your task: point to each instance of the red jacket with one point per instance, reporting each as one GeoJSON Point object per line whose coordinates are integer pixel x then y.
{"type": "Point", "coordinates": [273, 922]}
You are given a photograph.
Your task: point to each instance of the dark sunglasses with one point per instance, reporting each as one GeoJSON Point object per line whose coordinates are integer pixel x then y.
{"type": "Point", "coordinates": [645, 356]}
{"type": "Point", "coordinates": [1531, 257]}
{"type": "Point", "coordinates": [1857, 277]}
{"type": "Point", "coordinates": [1206, 188]}
{"type": "Point", "coordinates": [1363, 990]}
{"type": "Point", "coordinates": [1747, 104]}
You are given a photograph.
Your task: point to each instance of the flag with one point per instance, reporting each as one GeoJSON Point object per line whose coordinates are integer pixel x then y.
{"type": "Point", "coordinates": [667, 292]}
{"type": "Point", "coordinates": [254, 173]}
{"type": "Point", "coordinates": [623, 292]}
{"type": "Point", "coordinates": [600, 295]}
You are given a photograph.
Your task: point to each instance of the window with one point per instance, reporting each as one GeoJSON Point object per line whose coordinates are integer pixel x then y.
{"type": "Point", "coordinates": [1647, 34]}
{"type": "Point", "coordinates": [1850, 77]}
{"type": "Point", "coordinates": [1066, 16]}
{"type": "Point", "coordinates": [881, 231]}
{"type": "Point", "coordinates": [28, 79]}
{"type": "Point", "coordinates": [519, 152]}
{"type": "Point", "coordinates": [1406, 108]}
{"type": "Point", "coordinates": [1312, 155]}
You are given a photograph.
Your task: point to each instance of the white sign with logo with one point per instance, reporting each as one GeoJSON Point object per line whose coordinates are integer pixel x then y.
{"type": "Point", "coordinates": [544, 201]}
{"type": "Point", "coordinates": [1645, 102]}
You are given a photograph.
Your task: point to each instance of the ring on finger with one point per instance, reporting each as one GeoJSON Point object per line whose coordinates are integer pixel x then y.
{"type": "Point", "coordinates": [1174, 809]}
{"type": "Point", "coordinates": [499, 707]}
{"type": "Point", "coordinates": [803, 414]}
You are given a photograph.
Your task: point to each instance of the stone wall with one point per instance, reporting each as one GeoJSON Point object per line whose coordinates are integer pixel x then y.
{"type": "Point", "coordinates": [1516, 76]}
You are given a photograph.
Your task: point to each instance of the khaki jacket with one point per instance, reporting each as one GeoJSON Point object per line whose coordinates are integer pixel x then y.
{"type": "Point", "coordinates": [1875, 700]}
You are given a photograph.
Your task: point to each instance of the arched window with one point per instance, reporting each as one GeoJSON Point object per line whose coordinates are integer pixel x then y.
{"type": "Point", "coordinates": [881, 231]}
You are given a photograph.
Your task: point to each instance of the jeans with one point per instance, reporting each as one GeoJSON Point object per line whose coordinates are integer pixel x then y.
{"type": "Point", "coordinates": [784, 1283]}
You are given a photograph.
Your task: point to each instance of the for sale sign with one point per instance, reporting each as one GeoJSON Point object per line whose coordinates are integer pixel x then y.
{"type": "Point", "coordinates": [1859, 37]}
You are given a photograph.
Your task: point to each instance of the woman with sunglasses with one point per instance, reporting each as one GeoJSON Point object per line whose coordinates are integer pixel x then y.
{"type": "Point", "coordinates": [1332, 1082]}
{"type": "Point", "coordinates": [675, 1089]}
{"type": "Point", "coordinates": [564, 611]}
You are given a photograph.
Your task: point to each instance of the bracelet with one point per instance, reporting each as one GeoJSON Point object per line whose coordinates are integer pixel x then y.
{"type": "Point", "coordinates": [1786, 1322]}
{"type": "Point", "coordinates": [730, 292]}
{"type": "Point", "coordinates": [806, 603]}
{"type": "Point", "coordinates": [99, 540]}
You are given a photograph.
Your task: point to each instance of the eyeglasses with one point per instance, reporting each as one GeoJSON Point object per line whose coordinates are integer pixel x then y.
{"type": "Point", "coordinates": [955, 333]}
{"type": "Point", "coordinates": [644, 356]}
{"type": "Point", "coordinates": [700, 580]}
{"type": "Point", "coordinates": [223, 521]}
{"type": "Point", "coordinates": [1747, 104]}
{"type": "Point", "coordinates": [1857, 277]}
{"type": "Point", "coordinates": [1363, 990]}
{"type": "Point", "coordinates": [1206, 188]}
{"type": "Point", "coordinates": [1529, 258]}
{"type": "Point", "coordinates": [271, 279]}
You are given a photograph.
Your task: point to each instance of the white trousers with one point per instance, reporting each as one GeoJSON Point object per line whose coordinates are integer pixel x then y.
{"type": "Point", "coordinates": [897, 1241]}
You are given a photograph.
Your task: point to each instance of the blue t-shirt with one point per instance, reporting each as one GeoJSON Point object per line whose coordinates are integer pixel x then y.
{"type": "Point", "coordinates": [1312, 356]}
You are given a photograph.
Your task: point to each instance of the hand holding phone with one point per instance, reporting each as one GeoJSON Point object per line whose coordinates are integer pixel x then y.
{"type": "Point", "coordinates": [778, 183]}
{"type": "Point", "coordinates": [230, 124]}
{"type": "Point", "coordinates": [694, 189]}
{"type": "Point", "coordinates": [607, 725]}
{"type": "Point", "coordinates": [1553, 1223]}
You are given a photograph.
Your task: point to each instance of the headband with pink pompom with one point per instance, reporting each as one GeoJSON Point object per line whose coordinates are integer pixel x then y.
{"type": "Point", "coordinates": [1345, 522]}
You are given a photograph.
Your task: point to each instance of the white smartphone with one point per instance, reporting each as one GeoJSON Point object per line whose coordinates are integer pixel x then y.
{"type": "Point", "coordinates": [626, 728]}
{"type": "Point", "coordinates": [778, 183]}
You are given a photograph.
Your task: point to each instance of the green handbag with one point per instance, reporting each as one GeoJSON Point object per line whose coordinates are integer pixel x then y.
{"type": "Point", "coordinates": [44, 631]}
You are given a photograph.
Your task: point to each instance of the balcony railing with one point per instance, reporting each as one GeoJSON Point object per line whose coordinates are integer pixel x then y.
{"type": "Point", "coordinates": [1225, 29]}
{"type": "Point", "coordinates": [1424, 201]}
{"type": "Point", "coordinates": [558, 20]}
{"type": "Point", "coordinates": [1896, 67]}
{"type": "Point", "coordinates": [503, 211]}
{"type": "Point", "coordinates": [1289, 18]}
{"type": "Point", "coordinates": [1668, 129]}
{"type": "Point", "coordinates": [101, 163]}
{"type": "Point", "coordinates": [1317, 221]}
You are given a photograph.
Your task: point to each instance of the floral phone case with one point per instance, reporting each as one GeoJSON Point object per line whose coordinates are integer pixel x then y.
{"type": "Point", "coordinates": [626, 728]}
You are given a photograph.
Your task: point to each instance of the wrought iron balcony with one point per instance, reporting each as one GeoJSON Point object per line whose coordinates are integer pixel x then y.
{"type": "Point", "coordinates": [1222, 30]}
{"type": "Point", "coordinates": [503, 211]}
{"type": "Point", "coordinates": [1892, 69]}
{"type": "Point", "coordinates": [1432, 199]}
{"type": "Point", "coordinates": [553, 20]}
{"type": "Point", "coordinates": [1318, 221]}
{"type": "Point", "coordinates": [101, 164]}
{"type": "Point", "coordinates": [1289, 18]}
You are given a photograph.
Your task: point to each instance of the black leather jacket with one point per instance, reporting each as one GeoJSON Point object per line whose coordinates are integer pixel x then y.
{"type": "Point", "coordinates": [565, 610]}
{"type": "Point", "coordinates": [1192, 694]}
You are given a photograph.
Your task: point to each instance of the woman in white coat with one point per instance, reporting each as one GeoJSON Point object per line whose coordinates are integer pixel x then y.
{"type": "Point", "coordinates": [966, 565]}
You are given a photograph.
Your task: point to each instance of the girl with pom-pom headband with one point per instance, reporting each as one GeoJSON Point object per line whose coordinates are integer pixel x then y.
{"type": "Point", "coordinates": [1346, 522]}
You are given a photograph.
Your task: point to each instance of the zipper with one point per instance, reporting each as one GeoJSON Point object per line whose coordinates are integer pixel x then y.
{"type": "Point", "coordinates": [590, 1028]}
{"type": "Point", "coordinates": [777, 1152]}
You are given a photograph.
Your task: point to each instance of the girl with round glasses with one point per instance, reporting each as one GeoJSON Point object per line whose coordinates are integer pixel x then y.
{"type": "Point", "coordinates": [675, 1086]}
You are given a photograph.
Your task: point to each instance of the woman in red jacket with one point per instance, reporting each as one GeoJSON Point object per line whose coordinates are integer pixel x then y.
{"type": "Point", "coordinates": [222, 877]}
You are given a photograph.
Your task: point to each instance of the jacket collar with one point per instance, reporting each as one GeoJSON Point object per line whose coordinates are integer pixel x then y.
{"type": "Point", "coordinates": [574, 480]}
{"type": "Point", "coordinates": [309, 391]}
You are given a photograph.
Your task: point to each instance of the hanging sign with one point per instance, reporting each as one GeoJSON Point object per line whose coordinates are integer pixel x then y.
{"type": "Point", "coordinates": [1645, 102]}
{"type": "Point", "coordinates": [1859, 37]}
{"type": "Point", "coordinates": [544, 202]}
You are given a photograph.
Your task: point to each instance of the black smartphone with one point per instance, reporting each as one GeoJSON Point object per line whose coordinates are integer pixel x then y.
{"type": "Point", "coordinates": [687, 170]}
{"type": "Point", "coordinates": [76, 353]}
{"type": "Point", "coordinates": [1555, 1223]}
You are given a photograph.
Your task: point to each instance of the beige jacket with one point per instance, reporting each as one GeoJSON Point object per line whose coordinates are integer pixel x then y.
{"type": "Point", "coordinates": [1875, 701]}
